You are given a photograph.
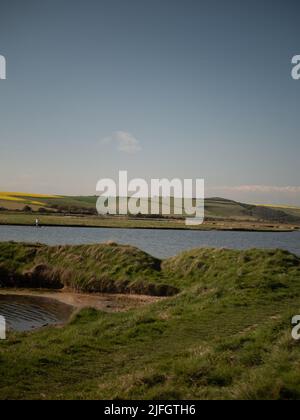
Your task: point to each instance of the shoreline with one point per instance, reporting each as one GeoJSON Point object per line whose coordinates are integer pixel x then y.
{"type": "Point", "coordinates": [204, 228]}
{"type": "Point", "coordinates": [106, 302]}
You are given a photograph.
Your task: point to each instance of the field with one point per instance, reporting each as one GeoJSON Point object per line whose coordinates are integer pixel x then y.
{"type": "Point", "coordinates": [25, 219]}
{"type": "Point", "coordinates": [220, 214]}
{"type": "Point", "coordinates": [17, 201]}
{"type": "Point", "coordinates": [291, 210]}
{"type": "Point", "coordinates": [50, 202]}
{"type": "Point", "coordinates": [225, 334]}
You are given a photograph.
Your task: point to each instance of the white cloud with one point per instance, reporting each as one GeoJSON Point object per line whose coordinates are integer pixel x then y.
{"type": "Point", "coordinates": [125, 142]}
{"type": "Point", "coordinates": [263, 189]}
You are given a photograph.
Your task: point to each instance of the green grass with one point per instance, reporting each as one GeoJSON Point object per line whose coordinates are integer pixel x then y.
{"type": "Point", "coordinates": [226, 335]}
{"type": "Point", "coordinates": [97, 268]}
{"type": "Point", "coordinates": [23, 219]}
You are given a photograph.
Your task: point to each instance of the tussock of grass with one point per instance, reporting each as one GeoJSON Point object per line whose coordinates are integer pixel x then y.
{"type": "Point", "coordinates": [96, 268]}
{"type": "Point", "coordinates": [125, 269]}
{"type": "Point", "coordinates": [226, 335]}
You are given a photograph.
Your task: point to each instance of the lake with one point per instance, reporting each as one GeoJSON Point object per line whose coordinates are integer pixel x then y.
{"type": "Point", "coordinates": [25, 313]}
{"type": "Point", "coordinates": [159, 243]}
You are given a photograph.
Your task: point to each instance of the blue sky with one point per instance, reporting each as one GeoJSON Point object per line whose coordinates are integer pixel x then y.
{"type": "Point", "coordinates": [161, 88]}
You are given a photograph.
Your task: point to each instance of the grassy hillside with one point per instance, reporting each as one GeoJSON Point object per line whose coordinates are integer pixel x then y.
{"type": "Point", "coordinates": [125, 269]}
{"type": "Point", "coordinates": [215, 208]}
{"type": "Point", "coordinates": [221, 208]}
{"type": "Point", "coordinates": [290, 210]}
{"type": "Point", "coordinates": [226, 334]}
{"type": "Point", "coordinates": [98, 268]}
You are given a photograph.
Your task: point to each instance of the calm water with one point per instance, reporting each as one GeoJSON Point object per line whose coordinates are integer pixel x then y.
{"type": "Point", "coordinates": [159, 243]}
{"type": "Point", "coordinates": [24, 313]}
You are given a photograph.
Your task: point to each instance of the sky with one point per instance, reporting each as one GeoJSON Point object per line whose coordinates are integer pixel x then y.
{"type": "Point", "coordinates": [160, 88]}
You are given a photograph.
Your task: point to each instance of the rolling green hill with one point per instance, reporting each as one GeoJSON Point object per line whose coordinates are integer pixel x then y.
{"type": "Point", "coordinates": [215, 208]}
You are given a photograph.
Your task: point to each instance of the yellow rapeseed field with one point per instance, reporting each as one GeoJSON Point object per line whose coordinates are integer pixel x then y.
{"type": "Point", "coordinates": [25, 195]}
{"type": "Point", "coordinates": [21, 197]}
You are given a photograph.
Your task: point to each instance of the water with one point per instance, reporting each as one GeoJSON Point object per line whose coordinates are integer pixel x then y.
{"type": "Point", "coordinates": [159, 243]}
{"type": "Point", "coordinates": [24, 313]}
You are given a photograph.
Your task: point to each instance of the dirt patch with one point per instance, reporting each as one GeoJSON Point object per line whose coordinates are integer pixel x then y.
{"type": "Point", "coordinates": [103, 302]}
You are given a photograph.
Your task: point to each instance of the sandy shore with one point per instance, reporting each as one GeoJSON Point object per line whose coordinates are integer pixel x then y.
{"type": "Point", "coordinates": [103, 302]}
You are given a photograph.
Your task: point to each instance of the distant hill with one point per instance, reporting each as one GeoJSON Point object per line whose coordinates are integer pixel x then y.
{"type": "Point", "coordinates": [215, 208]}
{"type": "Point", "coordinates": [223, 208]}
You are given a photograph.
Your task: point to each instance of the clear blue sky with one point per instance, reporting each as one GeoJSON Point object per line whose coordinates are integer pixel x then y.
{"type": "Point", "coordinates": [162, 88]}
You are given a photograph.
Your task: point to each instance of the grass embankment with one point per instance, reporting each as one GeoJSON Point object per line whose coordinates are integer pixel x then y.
{"type": "Point", "coordinates": [107, 268]}
{"type": "Point", "coordinates": [226, 335]}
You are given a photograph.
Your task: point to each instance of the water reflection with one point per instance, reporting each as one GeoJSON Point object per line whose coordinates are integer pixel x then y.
{"type": "Point", "coordinates": [159, 243]}
{"type": "Point", "coordinates": [24, 313]}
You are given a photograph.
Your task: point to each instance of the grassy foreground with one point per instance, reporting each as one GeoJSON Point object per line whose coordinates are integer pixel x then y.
{"type": "Point", "coordinates": [225, 335]}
